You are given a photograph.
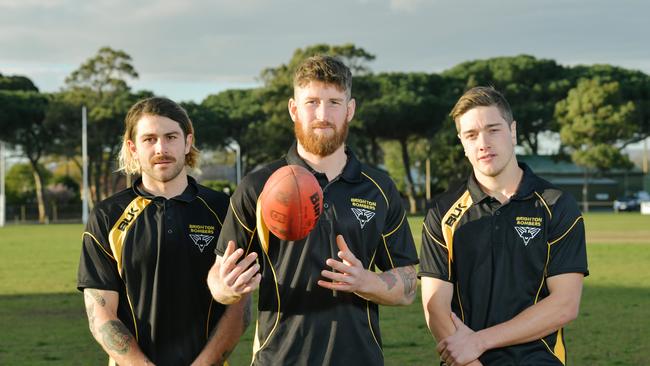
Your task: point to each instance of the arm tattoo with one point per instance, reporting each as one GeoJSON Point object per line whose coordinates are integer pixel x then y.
{"type": "Point", "coordinates": [115, 336]}
{"type": "Point", "coordinates": [96, 295]}
{"type": "Point", "coordinates": [92, 296]}
{"type": "Point", "coordinates": [90, 311]}
{"type": "Point", "coordinates": [389, 279]}
{"type": "Point", "coordinates": [408, 279]}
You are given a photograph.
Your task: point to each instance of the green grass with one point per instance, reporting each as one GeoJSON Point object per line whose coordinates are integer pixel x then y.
{"type": "Point", "coordinates": [623, 227]}
{"type": "Point", "coordinates": [42, 317]}
{"type": "Point", "coordinates": [42, 320]}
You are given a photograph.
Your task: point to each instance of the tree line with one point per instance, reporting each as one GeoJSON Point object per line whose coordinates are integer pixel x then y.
{"type": "Point", "coordinates": [401, 120]}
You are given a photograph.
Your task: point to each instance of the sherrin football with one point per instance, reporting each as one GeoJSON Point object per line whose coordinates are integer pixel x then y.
{"type": "Point", "coordinates": [291, 202]}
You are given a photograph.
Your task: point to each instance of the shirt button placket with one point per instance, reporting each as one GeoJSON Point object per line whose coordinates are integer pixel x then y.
{"type": "Point", "coordinates": [167, 214]}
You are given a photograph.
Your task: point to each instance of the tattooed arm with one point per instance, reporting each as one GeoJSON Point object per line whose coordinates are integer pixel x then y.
{"type": "Point", "coordinates": [394, 287]}
{"type": "Point", "coordinates": [109, 331]}
{"type": "Point", "coordinates": [225, 335]}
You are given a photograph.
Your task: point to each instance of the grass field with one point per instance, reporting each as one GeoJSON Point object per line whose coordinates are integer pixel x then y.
{"type": "Point", "coordinates": [42, 320]}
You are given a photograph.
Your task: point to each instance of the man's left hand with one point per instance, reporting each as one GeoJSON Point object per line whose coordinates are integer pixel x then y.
{"type": "Point", "coordinates": [348, 275]}
{"type": "Point", "coordinates": [461, 347]}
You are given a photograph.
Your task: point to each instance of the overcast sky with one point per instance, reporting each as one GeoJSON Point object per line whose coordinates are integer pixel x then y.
{"type": "Point", "coordinates": [187, 49]}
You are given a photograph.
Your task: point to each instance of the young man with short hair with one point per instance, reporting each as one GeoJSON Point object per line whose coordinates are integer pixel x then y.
{"type": "Point", "coordinates": [147, 250]}
{"type": "Point", "coordinates": [503, 255]}
{"type": "Point", "coordinates": [319, 296]}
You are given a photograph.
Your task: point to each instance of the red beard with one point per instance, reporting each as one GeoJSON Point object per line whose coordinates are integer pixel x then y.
{"type": "Point", "coordinates": [318, 144]}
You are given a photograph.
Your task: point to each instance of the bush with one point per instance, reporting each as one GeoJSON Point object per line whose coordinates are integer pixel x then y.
{"type": "Point", "coordinates": [220, 185]}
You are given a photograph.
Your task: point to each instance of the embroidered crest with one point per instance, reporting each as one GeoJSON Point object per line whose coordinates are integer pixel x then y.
{"type": "Point", "coordinates": [201, 240]}
{"type": "Point", "coordinates": [526, 233]}
{"type": "Point", "coordinates": [363, 215]}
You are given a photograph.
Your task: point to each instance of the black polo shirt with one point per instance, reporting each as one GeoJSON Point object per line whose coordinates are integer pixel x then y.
{"type": "Point", "coordinates": [299, 322]}
{"type": "Point", "coordinates": [156, 253]}
{"type": "Point", "coordinates": [501, 256]}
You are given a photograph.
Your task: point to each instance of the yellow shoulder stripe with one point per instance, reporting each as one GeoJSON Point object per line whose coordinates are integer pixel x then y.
{"type": "Point", "coordinates": [450, 222]}
{"type": "Point", "coordinates": [452, 218]}
{"type": "Point", "coordinates": [550, 215]}
{"type": "Point", "coordinates": [262, 229]}
{"type": "Point", "coordinates": [234, 212]}
{"type": "Point", "coordinates": [211, 210]}
{"type": "Point", "coordinates": [563, 235]}
{"type": "Point", "coordinates": [398, 226]}
{"type": "Point", "coordinates": [380, 190]}
{"type": "Point", "coordinates": [426, 230]}
{"type": "Point", "coordinates": [98, 244]}
{"type": "Point", "coordinates": [117, 235]}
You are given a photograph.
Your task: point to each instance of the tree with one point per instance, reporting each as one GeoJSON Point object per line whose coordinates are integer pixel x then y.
{"type": "Point", "coordinates": [105, 73]}
{"type": "Point", "coordinates": [209, 128]}
{"type": "Point", "coordinates": [532, 87]}
{"type": "Point", "coordinates": [366, 141]}
{"type": "Point", "coordinates": [447, 158]}
{"type": "Point", "coordinates": [274, 133]}
{"type": "Point", "coordinates": [21, 184]}
{"type": "Point", "coordinates": [100, 84]}
{"type": "Point", "coordinates": [23, 124]}
{"type": "Point", "coordinates": [594, 119]}
{"type": "Point", "coordinates": [240, 115]}
{"type": "Point", "coordinates": [408, 107]}
{"type": "Point", "coordinates": [356, 58]}
{"type": "Point", "coordinates": [634, 86]}
{"type": "Point", "coordinates": [17, 82]}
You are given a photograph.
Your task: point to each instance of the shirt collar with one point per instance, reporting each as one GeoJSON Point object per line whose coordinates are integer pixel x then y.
{"type": "Point", "coordinates": [525, 189]}
{"type": "Point", "coordinates": [188, 195]}
{"type": "Point", "coordinates": [528, 183]}
{"type": "Point", "coordinates": [475, 190]}
{"type": "Point", "coordinates": [351, 171]}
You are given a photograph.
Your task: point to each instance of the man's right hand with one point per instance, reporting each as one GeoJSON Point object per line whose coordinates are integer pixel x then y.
{"type": "Point", "coordinates": [229, 280]}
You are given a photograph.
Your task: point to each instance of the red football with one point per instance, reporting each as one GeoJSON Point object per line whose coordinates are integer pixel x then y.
{"type": "Point", "coordinates": [291, 202]}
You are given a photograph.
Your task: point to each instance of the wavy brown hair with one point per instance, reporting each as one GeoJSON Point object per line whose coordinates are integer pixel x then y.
{"type": "Point", "coordinates": [326, 69]}
{"type": "Point", "coordinates": [155, 106]}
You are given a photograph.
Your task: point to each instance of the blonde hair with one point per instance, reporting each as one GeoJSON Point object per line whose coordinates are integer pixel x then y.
{"type": "Point", "coordinates": [155, 106]}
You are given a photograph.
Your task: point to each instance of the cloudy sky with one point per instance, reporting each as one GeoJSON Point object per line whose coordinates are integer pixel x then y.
{"type": "Point", "coordinates": [187, 49]}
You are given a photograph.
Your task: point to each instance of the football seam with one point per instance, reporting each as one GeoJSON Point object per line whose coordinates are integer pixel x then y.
{"type": "Point", "coordinates": [300, 206]}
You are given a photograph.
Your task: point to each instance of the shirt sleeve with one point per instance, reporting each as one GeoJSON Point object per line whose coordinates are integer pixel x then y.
{"type": "Point", "coordinates": [97, 266]}
{"type": "Point", "coordinates": [397, 239]}
{"type": "Point", "coordinates": [567, 239]}
{"type": "Point", "coordinates": [240, 221]}
{"type": "Point", "coordinates": [434, 254]}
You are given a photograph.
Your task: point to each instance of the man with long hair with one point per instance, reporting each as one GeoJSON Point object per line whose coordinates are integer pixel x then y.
{"type": "Point", "coordinates": [147, 251]}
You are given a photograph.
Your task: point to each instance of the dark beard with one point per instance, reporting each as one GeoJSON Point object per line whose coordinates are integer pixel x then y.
{"type": "Point", "coordinates": [318, 145]}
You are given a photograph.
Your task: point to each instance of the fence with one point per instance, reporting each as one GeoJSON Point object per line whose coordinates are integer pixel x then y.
{"type": "Point", "coordinates": [54, 213]}
{"type": "Point", "coordinates": [71, 213]}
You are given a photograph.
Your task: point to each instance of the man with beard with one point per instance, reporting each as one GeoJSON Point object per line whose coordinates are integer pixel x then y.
{"type": "Point", "coordinates": [503, 254]}
{"type": "Point", "coordinates": [319, 296]}
{"type": "Point", "coordinates": [146, 252]}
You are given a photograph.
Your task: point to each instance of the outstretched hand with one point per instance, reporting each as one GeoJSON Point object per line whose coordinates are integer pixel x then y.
{"type": "Point", "coordinates": [229, 278]}
{"type": "Point", "coordinates": [347, 273]}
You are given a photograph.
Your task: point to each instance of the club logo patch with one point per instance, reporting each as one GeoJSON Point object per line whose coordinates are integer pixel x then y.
{"type": "Point", "coordinates": [363, 215]}
{"type": "Point", "coordinates": [201, 240]}
{"type": "Point", "coordinates": [526, 233]}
